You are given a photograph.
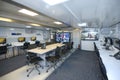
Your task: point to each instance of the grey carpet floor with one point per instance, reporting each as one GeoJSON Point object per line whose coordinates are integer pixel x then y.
{"type": "Point", "coordinates": [12, 64]}
{"type": "Point", "coordinates": [81, 65]}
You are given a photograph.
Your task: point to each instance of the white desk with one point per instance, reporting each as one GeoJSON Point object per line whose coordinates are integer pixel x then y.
{"type": "Point", "coordinates": [18, 44]}
{"type": "Point", "coordinates": [87, 45]}
{"type": "Point", "coordinates": [111, 64]}
{"type": "Point", "coordinates": [41, 52]}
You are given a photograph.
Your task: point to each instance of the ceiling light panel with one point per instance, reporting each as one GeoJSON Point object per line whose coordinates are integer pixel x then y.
{"type": "Point", "coordinates": [54, 2]}
{"type": "Point", "coordinates": [27, 12]}
{"type": "Point", "coordinates": [58, 23]}
{"type": "Point", "coordinates": [6, 19]}
{"type": "Point", "coordinates": [82, 24]}
{"type": "Point", "coordinates": [34, 24]}
{"type": "Point", "coordinates": [28, 26]}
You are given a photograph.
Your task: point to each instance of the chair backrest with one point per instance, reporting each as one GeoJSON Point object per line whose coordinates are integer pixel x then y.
{"type": "Point", "coordinates": [37, 43]}
{"type": "Point", "coordinates": [26, 45]}
{"type": "Point", "coordinates": [48, 43]}
{"type": "Point", "coordinates": [32, 46]}
{"type": "Point", "coordinates": [57, 51]}
{"type": "Point", "coordinates": [43, 46]}
{"type": "Point", "coordinates": [3, 50]}
{"type": "Point", "coordinates": [30, 57]}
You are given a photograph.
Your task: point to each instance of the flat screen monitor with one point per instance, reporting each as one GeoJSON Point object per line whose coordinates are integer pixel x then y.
{"type": "Point", "coordinates": [110, 41]}
{"type": "Point", "coordinates": [116, 43]}
{"type": "Point", "coordinates": [63, 37]}
{"type": "Point", "coordinates": [105, 39]}
{"type": "Point", "coordinates": [2, 40]}
{"type": "Point", "coordinates": [21, 39]}
{"type": "Point", "coordinates": [33, 38]}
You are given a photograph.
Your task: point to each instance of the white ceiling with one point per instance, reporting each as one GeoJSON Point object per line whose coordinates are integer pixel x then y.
{"type": "Point", "coordinates": [97, 13]}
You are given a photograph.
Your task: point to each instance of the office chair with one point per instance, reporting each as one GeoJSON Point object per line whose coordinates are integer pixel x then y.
{"type": "Point", "coordinates": [37, 43]}
{"type": "Point", "coordinates": [25, 46]}
{"type": "Point", "coordinates": [54, 59]}
{"type": "Point", "coordinates": [3, 50]}
{"type": "Point", "coordinates": [32, 46]}
{"type": "Point", "coordinates": [33, 59]}
{"type": "Point", "coordinates": [48, 43]}
{"type": "Point", "coordinates": [72, 45]}
{"type": "Point", "coordinates": [64, 51]}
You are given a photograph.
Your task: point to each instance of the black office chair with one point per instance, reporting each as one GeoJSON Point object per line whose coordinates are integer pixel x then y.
{"type": "Point", "coordinates": [72, 45]}
{"type": "Point", "coordinates": [37, 43]}
{"type": "Point", "coordinates": [54, 59]}
{"type": "Point", "coordinates": [25, 47]}
{"type": "Point", "coordinates": [32, 46]}
{"type": "Point", "coordinates": [3, 50]}
{"type": "Point", "coordinates": [33, 59]}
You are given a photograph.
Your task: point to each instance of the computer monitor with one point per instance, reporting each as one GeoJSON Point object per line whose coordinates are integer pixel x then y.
{"type": "Point", "coordinates": [33, 38]}
{"type": "Point", "coordinates": [116, 43]}
{"type": "Point", "coordinates": [105, 41]}
{"type": "Point", "coordinates": [21, 39]}
{"type": "Point", "coordinates": [2, 40]}
{"type": "Point", "coordinates": [110, 41]}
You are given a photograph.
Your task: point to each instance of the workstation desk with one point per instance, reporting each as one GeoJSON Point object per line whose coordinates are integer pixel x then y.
{"type": "Point", "coordinates": [42, 52]}
{"type": "Point", "coordinates": [17, 45]}
{"type": "Point", "coordinates": [111, 64]}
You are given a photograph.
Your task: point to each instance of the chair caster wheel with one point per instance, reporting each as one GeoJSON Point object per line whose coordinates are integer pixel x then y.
{"type": "Point", "coordinates": [27, 75]}
{"type": "Point", "coordinates": [46, 71]}
{"type": "Point", "coordinates": [27, 70]}
{"type": "Point", "coordinates": [39, 73]}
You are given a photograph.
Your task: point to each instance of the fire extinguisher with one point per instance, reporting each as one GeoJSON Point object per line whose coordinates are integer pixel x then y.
{"type": "Point", "coordinates": [78, 46]}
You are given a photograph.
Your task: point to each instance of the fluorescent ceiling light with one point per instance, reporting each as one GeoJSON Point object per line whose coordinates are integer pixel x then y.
{"type": "Point", "coordinates": [25, 11]}
{"type": "Point", "coordinates": [58, 23]}
{"type": "Point", "coordinates": [12, 29]}
{"type": "Point", "coordinates": [28, 26]}
{"type": "Point", "coordinates": [34, 24]}
{"type": "Point", "coordinates": [5, 19]}
{"type": "Point", "coordinates": [82, 24]}
{"type": "Point", "coordinates": [54, 2]}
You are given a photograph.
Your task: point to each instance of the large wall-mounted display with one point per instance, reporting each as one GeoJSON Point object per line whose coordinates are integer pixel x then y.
{"type": "Point", "coordinates": [63, 37]}
{"type": "Point", "coordinates": [89, 34]}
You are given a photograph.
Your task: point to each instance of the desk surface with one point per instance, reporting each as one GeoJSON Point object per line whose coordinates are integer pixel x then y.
{"type": "Point", "coordinates": [111, 64]}
{"type": "Point", "coordinates": [48, 48]}
{"type": "Point", "coordinates": [21, 43]}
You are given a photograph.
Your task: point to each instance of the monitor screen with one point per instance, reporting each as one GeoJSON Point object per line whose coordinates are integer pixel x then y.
{"type": "Point", "coordinates": [116, 42]}
{"type": "Point", "coordinates": [21, 39]}
{"type": "Point", "coordinates": [33, 38]}
{"type": "Point", "coordinates": [2, 40]}
{"type": "Point", "coordinates": [63, 37]}
{"type": "Point", "coordinates": [105, 39]}
{"type": "Point", "coordinates": [110, 41]}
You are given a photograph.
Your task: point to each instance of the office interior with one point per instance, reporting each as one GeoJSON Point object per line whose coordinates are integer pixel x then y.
{"type": "Point", "coordinates": [59, 39]}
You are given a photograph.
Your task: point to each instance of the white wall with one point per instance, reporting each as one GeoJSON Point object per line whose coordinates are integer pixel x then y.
{"type": "Point", "coordinates": [76, 38]}
{"type": "Point", "coordinates": [7, 33]}
{"type": "Point", "coordinates": [113, 31]}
